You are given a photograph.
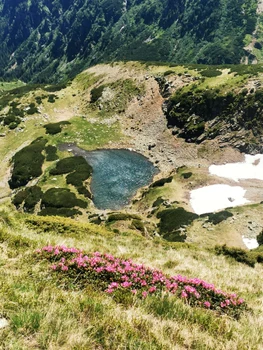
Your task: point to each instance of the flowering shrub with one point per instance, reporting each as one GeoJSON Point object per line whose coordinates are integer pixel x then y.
{"type": "Point", "coordinates": [113, 275]}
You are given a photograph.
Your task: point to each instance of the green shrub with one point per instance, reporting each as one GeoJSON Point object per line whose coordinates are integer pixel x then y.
{"type": "Point", "coordinates": [55, 128]}
{"type": "Point", "coordinates": [138, 224]}
{"type": "Point", "coordinates": [51, 153]}
{"type": "Point", "coordinates": [13, 125]}
{"type": "Point", "coordinates": [122, 216]}
{"type": "Point", "coordinates": [61, 198]}
{"type": "Point", "coordinates": [27, 163]}
{"type": "Point", "coordinates": [32, 109]}
{"type": "Point", "coordinates": [65, 212]}
{"type": "Point", "coordinates": [96, 93]}
{"type": "Point", "coordinates": [186, 175]}
{"type": "Point", "coordinates": [55, 87]}
{"type": "Point", "coordinates": [70, 164]}
{"type": "Point", "coordinates": [51, 98]}
{"type": "Point", "coordinates": [30, 196]}
{"type": "Point", "coordinates": [238, 254]}
{"type": "Point", "coordinates": [209, 73]}
{"type": "Point", "coordinates": [168, 72]}
{"type": "Point", "coordinates": [159, 201]}
{"type": "Point", "coordinates": [162, 182]}
{"type": "Point", "coordinates": [216, 218]}
{"type": "Point", "coordinates": [260, 238]}
{"type": "Point", "coordinates": [172, 220]}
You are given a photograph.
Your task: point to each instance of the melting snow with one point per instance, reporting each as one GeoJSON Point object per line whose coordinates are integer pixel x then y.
{"type": "Point", "coordinates": [216, 197]}
{"type": "Point", "coordinates": [251, 243]}
{"type": "Point", "coordinates": [251, 168]}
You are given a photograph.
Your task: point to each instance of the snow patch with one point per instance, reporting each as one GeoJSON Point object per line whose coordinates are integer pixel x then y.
{"type": "Point", "coordinates": [216, 197]}
{"type": "Point", "coordinates": [251, 168]}
{"type": "Point", "coordinates": [250, 243]}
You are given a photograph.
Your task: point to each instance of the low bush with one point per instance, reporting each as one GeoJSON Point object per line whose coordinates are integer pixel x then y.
{"type": "Point", "coordinates": [52, 98]}
{"type": "Point", "coordinates": [162, 182]}
{"type": "Point", "coordinates": [171, 220]}
{"type": "Point", "coordinates": [96, 93]}
{"type": "Point", "coordinates": [70, 164]}
{"type": "Point", "coordinates": [216, 218]}
{"type": "Point", "coordinates": [186, 175]}
{"type": "Point", "coordinates": [122, 216]}
{"type": "Point", "coordinates": [51, 153]}
{"type": "Point", "coordinates": [27, 163]}
{"type": "Point", "coordinates": [159, 201]}
{"type": "Point", "coordinates": [138, 225]}
{"type": "Point", "coordinates": [29, 197]}
{"type": "Point", "coordinates": [65, 212]}
{"type": "Point", "coordinates": [168, 72]}
{"type": "Point", "coordinates": [55, 128]}
{"type": "Point", "coordinates": [238, 254]}
{"type": "Point", "coordinates": [209, 73]}
{"type": "Point", "coordinates": [260, 238]}
{"type": "Point", "coordinates": [116, 276]}
{"type": "Point", "coordinates": [61, 198]}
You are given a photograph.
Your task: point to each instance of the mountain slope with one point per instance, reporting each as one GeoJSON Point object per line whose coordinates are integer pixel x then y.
{"type": "Point", "coordinates": [46, 310]}
{"type": "Point", "coordinates": [40, 38]}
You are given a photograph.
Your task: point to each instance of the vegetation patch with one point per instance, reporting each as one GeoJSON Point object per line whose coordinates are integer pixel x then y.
{"type": "Point", "coordinates": [66, 212]}
{"type": "Point", "coordinates": [61, 198]}
{"type": "Point", "coordinates": [210, 73]}
{"type": "Point", "coordinates": [238, 254]}
{"type": "Point", "coordinates": [216, 218]}
{"type": "Point", "coordinates": [51, 153]}
{"type": "Point", "coordinates": [27, 163]}
{"type": "Point", "coordinates": [96, 93]}
{"type": "Point", "coordinates": [172, 220]}
{"type": "Point", "coordinates": [117, 277]}
{"type": "Point", "coordinates": [79, 171]}
{"type": "Point", "coordinates": [122, 216]}
{"type": "Point", "coordinates": [138, 225]}
{"type": "Point", "coordinates": [55, 128]}
{"type": "Point", "coordinates": [186, 175]}
{"type": "Point", "coordinates": [28, 198]}
{"type": "Point", "coordinates": [162, 182]}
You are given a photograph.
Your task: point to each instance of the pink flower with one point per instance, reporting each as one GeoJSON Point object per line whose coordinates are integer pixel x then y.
{"type": "Point", "coordinates": [109, 290]}
{"type": "Point", "coordinates": [134, 291]}
{"type": "Point", "coordinates": [53, 267]}
{"type": "Point", "coordinates": [144, 294]}
{"type": "Point", "coordinates": [222, 304]}
{"type": "Point", "coordinates": [64, 268]}
{"type": "Point", "coordinates": [152, 289]}
{"type": "Point", "coordinates": [184, 294]}
{"type": "Point", "coordinates": [207, 304]}
{"type": "Point", "coordinates": [126, 284]}
{"type": "Point", "coordinates": [240, 301]}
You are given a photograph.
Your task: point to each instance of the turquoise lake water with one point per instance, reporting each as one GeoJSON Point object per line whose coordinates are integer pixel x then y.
{"type": "Point", "coordinates": [117, 175]}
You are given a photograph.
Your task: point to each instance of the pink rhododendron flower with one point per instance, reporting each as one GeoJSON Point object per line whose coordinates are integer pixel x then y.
{"type": "Point", "coordinates": [184, 294]}
{"type": "Point", "coordinates": [207, 304]}
{"type": "Point", "coordinates": [144, 294]}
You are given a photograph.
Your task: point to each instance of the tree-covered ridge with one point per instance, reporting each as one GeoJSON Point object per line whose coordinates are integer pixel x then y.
{"type": "Point", "coordinates": [41, 37]}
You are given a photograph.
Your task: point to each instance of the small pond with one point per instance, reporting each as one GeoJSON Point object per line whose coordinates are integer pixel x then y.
{"type": "Point", "coordinates": [117, 175]}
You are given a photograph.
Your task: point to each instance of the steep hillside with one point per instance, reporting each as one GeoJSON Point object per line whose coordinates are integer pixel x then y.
{"type": "Point", "coordinates": [47, 40]}
{"type": "Point", "coordinates": [45, 308]}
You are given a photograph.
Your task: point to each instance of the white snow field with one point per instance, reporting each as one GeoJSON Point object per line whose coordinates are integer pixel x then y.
{"type": "Point", "coordinates": [216, 197]}
{"type": "Point", "coordinates": [251, 168]}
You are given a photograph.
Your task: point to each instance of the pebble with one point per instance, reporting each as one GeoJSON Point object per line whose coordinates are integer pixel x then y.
{"type": "Point", "coordinates": [3, 323]}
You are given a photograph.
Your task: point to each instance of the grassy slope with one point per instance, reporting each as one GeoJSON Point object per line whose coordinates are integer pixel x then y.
{"type": "Point", "coordinates": [44, 314]}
